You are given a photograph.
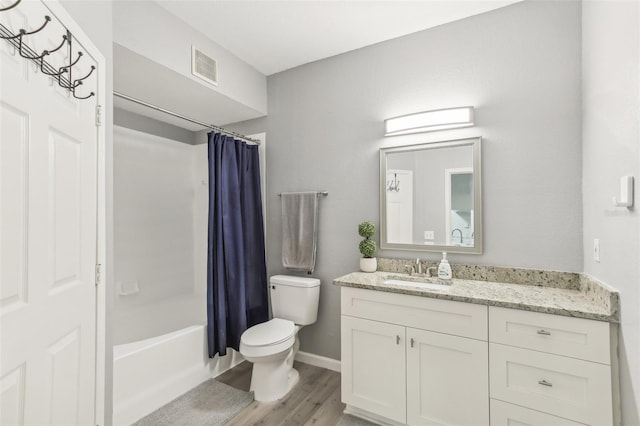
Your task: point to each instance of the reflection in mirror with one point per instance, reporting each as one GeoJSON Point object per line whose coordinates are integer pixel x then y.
{"type": "Point", "coordinates": [430, 197]}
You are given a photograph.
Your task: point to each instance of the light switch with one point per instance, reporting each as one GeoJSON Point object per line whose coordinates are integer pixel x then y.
{"type": "Point", "coordinates": [429, 235]}
{"type": "Point", "coordinates": [626, 193]}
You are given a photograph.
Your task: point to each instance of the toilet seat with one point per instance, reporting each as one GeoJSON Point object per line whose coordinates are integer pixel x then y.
{"type": "Point", "coordinates": [268, 338]}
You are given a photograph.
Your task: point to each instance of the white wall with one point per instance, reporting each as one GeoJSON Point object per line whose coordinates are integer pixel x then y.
{"type": "Point", "coordinates": [201, 217]}
{"type": "Point", "coordinates": [154, 216]}
{"type": "Point", "coordinates": [611, 148]}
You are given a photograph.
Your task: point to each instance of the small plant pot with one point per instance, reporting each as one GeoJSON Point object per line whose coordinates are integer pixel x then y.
{"type": "Point", "coordinates": [368, 264]}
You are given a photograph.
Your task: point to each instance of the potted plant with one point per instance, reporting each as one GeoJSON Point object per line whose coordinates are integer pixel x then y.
{"type": "Point", "coordinates": [367, 247]}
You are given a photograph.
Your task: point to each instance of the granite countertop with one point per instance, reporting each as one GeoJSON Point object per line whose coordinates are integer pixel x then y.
{"type": "Point", "coordinates": [589, 299]}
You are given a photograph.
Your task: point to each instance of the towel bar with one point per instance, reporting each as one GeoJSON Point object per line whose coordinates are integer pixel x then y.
{"type": "Point", "coordinates": [323, 193]}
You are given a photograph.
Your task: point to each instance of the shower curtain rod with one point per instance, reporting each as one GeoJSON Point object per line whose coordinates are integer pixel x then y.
{"type": "Point", "coordinates": [175, 114]}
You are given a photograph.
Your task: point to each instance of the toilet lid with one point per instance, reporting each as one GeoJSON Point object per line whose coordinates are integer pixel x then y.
{"type": "Point", "coordinates": [269, 333]}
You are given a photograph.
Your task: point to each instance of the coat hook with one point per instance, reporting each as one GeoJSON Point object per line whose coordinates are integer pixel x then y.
{"type": "Point", "coordinates": [10, 7]}
{"type": "Point", "coordinates": [18, 44]}
{"type": "Point", "coordinates": [78, 81]}
{"type": "Point", "coordinates": [83, 97]}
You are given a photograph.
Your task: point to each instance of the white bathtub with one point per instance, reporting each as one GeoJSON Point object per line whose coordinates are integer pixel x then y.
{"type": "Point", "coordinates": [149, 373]}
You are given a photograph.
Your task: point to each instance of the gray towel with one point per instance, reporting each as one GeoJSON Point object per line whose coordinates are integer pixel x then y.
{"type": "Point", "coordinates": [299, 230]}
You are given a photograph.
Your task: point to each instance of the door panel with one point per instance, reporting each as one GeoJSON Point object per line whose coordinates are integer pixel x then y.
{"type": "Point", "coordinates": [12, 388]}
{"type": "Point", "coordinates": [14, 151]}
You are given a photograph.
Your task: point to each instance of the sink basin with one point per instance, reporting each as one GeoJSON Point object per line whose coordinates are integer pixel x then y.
{"type": "Point", "coordinates": [418, 284]}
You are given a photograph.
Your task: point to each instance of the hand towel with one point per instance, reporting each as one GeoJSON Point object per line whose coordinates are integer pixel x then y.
{"type": "Point", "coordinates": [299, 230]}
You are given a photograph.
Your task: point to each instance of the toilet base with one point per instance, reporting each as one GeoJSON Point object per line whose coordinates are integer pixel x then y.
{"type": "Point", "coordinates": [273, 376]}
{"type": "Point", "coordinates": [272, 380]}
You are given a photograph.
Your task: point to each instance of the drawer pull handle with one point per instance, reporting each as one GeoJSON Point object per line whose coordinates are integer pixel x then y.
{"type": "Point", "coordinates": [412, 342]}
{"type": "Point", "coordinates": [544, 332]}
{"type": "Point", "coordinates": [545, 383]}
{"type": "Point", "coordinates": [397, 339]}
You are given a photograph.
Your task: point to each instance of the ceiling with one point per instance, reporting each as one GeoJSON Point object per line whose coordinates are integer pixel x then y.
{"type": "Point", "coordinates": [274, 36]}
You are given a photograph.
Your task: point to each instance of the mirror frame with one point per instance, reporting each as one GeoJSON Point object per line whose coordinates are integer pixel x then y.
{"type": "Point", "coordinates": [475, 143]}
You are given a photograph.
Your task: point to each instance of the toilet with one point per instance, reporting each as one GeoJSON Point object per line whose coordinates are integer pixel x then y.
{"type": "Point", "coordinates": [272, 345]}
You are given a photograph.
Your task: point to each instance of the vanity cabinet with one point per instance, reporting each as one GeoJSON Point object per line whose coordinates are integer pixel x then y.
{"type": "Point", "coordinates": [415, 360]}
{"type": "Point", "coordinates": [548, 369]}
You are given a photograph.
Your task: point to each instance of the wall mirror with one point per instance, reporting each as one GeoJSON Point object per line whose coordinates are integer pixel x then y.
{"type": "Point", "coordinates": [430, 197]}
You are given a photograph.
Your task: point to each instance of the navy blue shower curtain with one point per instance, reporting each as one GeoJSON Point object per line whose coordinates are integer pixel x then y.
{"type": "Point", "coordinates": [236, 268]}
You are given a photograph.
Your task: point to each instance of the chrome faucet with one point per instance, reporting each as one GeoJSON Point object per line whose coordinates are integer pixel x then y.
{"type": "Point", "coordinates": [460, 231]}
{"type": "Point", "coordinates": [410, 269]}
{"type": "Point", "coordinates": [421, 268]}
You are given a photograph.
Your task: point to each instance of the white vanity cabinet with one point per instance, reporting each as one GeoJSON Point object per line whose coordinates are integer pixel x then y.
{"type": "Point", "coordinates": [415, 360]}
{"type": "Point", "coordinates": [549, 369]}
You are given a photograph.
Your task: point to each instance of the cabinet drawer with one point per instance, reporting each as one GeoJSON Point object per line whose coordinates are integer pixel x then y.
{"type": "Point", "coordinates": [574, 337]}
{"type": "Point", "coordinates": [571, 388]}
{"type": "Point", "coordinates": [443, 316]}
{"type": "Point", "coordinates": [504, 414]}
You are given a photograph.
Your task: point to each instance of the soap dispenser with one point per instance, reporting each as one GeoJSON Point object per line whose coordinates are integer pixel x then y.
{"type": "Point", "coordinates": [444, 269]}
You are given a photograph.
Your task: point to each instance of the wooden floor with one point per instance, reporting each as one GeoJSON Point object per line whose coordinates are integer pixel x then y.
{"type": "Point", "coordinates": [314, 401]}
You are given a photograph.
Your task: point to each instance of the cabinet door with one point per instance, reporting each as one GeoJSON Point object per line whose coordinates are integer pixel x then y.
{"type": "Point", "coordinates": [373, 367]}
{"type": "Point", "coordinates": [447, 380]}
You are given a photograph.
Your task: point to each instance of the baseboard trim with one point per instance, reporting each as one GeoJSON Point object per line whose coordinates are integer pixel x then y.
{"type": "Point", "coordinates": [319, 361]}
{"type": "Point", "coordinates": [374, 418]}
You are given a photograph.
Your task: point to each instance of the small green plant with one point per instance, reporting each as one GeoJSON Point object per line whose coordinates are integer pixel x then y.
{"type": "Point", "coordinates": [367, 246]}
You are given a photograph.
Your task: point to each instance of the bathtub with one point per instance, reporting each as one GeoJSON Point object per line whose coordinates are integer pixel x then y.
{"type": "Point", "coordinates": [151, 372]}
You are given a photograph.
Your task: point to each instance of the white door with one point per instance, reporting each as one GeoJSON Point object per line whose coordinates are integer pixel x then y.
{"type": "Point", "coordinates": [373, 367]}
{"type": "Point", "coordinates": [48, 207]}
{"type": "Point", "coordinates": [447, 383]}
{"type": "Point", "coordinates": [400, 206]}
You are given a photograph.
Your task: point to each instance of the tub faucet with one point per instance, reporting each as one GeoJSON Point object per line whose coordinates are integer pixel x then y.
{"type": "Point", "coordinates": [460, 231]}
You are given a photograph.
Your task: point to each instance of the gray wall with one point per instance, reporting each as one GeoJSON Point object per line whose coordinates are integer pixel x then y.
{"type": "Point", "coordinates": [611, 149]}
{"type": "Point", "coordinates": [138, 122]}
{"type": "Point", "coordinates": [95, 19]}
{"type": "Point", "coordinates": [519, 66]}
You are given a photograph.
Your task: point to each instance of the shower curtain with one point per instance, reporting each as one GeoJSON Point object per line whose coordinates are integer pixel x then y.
{"type": "Point", "coordinates": [236, 268]}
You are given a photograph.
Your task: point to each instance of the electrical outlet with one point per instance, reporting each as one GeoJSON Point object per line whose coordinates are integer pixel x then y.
{"type": "Point", "coordinates": [429, 235]}
{"type": "Point", "coordinates": [596, 249]}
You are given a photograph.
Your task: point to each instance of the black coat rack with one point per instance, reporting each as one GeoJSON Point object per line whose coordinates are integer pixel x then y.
{"type": "Point", "coordinates": [63, 75]}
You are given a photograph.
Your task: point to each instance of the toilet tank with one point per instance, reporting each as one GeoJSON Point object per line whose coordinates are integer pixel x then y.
{"type": "Point", "coordinates": [295, 298]}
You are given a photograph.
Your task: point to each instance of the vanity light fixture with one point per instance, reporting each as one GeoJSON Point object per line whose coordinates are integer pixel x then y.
{"type": "Point", "coordinates": [429, 121]}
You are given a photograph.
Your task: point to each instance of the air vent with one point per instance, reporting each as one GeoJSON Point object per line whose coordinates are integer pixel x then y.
{"type": "Point", "coordinates": [203, 66]}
